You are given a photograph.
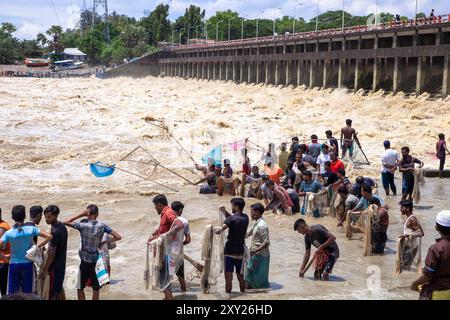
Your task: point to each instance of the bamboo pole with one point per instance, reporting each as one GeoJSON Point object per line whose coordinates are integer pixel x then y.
{"type": "Point", "coordinates": [129, 153]}
{"type": "Point", "coordinates": [137, 175]}
{"type": "Point", "coordinates": [166, 129]}
{"type": "Point", "coordinates": [197, 265]}
{"type": "Point", "coordinates": [159, 164]}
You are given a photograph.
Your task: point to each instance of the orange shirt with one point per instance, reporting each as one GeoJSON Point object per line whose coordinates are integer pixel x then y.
{"type": "Point", "coordinates": [274, 173]}
{"type": "Point", "coordinates": [7, 250]}
{"type": "Point", "coordinates": [336, 165]}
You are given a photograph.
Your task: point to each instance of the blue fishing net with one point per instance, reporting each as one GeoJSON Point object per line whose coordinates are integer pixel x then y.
{"type": "Point", "coordinates": [101, 170]}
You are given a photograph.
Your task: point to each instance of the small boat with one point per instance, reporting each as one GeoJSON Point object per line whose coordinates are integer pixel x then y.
{"type": "Point", "coordinates": [68, 65]}
{"type": "Point", "coordinates": [30, 62]}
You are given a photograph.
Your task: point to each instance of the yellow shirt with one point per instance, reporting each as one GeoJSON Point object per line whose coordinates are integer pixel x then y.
{"type": "Point", "coordinates": [282, 160]}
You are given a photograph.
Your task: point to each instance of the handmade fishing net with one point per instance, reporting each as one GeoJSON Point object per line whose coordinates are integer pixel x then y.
{"type": "Point", "coordinates": [212, 254]}
{"type": "Point", "coordinates": [101, 170]}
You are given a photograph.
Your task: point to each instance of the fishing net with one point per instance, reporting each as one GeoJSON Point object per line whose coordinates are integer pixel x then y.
{"type": "Point", "coordinates": [167, 257]}
{"type": "Point", "coordinates": [101, 170]}
{"type": "Point", "coordinates": [358, 156]}
{"type": "Point", "coordinates": [212, 254]}
{"type": "Point", "coordinates": [363, 225]}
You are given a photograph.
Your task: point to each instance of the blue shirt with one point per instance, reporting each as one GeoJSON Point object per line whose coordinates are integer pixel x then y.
{"type": "Point", "coordinates": [312, 186]}
{"type": "Point", "coordinates": [363, 203]}
{"type": "Point", "coordinates": [21, 239]}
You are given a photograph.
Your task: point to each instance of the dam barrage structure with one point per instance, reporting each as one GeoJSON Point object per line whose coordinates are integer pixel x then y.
{"type": "Point", "coordinates": [407, 56]}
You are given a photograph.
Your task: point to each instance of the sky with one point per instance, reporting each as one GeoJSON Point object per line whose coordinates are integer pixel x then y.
{"type": "Point", "coordinates": [33, 16]}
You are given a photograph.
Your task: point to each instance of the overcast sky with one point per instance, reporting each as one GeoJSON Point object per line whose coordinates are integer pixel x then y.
{"type": "Point", "coordinates": [34, 16]}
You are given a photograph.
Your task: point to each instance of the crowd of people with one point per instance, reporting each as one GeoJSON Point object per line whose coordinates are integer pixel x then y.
{"type": "Point", "coordinates": [309, 180]}
{"type": "Point", "coordinates": [28, 266]}
{"type": "Point", "coordinates": [295, 180]}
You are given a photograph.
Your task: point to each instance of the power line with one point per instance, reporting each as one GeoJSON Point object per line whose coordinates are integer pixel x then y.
{"type": "Point", "coordinates": [56, 13]}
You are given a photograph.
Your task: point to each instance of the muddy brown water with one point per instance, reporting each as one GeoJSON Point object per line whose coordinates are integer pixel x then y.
{"type": "Point", "coordinates": [51, 129]}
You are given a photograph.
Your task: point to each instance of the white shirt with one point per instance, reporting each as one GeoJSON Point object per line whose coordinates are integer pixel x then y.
{"type": "Point", "coordinates": [185, 224]}
{"type": "Point", "coordinates": [260, 236]}
{"type": "Point", "coordinates": [321, 159]}
{"type": "Point", "coordinates": [389, 157]}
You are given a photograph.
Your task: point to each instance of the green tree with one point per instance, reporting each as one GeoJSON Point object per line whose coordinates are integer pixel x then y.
{"type": "Point", "coordinates": [8, 44]}
{"type": "Point", "coordinates": [70, 39]}
{"type": "Point", "coordinates": [157, 25]}
{"type": "Point", "coordinates": [218, 25]}
{"type": "Point", "coordinates": [29, 49]}
{"type": "Point", "coordinates": [55, 44]}
{"type": "Point", "coordinates": [192, 19]}
{"type": "Point", "coordinates": [41, 39]}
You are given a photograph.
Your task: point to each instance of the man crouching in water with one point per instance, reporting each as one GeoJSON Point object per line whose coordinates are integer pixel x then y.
{"type": "Point", "coordinates": [327, 250]}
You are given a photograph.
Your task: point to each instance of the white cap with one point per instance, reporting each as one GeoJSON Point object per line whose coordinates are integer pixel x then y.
{"type": "Point", "coordinates": [227, 161]}
{"type": "Point", "coordinates": [443, 218]}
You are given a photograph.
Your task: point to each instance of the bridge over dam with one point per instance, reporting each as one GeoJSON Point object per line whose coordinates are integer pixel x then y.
{"type": "Point", "coordinates": [407, 56]}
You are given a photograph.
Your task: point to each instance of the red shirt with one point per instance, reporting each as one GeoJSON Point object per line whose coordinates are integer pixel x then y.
{"type": "Point", "coordinates": [336, 165]}
{"type": "Point", "coordinates": [168, 216]}
{"type": "Point", "coordinates": [274, 173]}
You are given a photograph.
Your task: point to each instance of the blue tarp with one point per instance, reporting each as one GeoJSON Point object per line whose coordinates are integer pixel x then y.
{"type": "Point", "coordinates": [215, 154]}
{"type": "Point", "coordinates": [101, 170]}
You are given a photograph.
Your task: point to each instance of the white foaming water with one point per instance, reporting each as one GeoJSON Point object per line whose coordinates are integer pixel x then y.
{"type": "Point", "coordinates": [51, 129]}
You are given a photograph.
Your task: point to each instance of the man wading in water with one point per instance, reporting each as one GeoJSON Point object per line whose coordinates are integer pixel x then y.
{"type": "Point", "coordinates": [348, 134]}
{"type": "Point", "coordinates": [327, 250]}
{"type": "Point", "coordinates": [237, 223]}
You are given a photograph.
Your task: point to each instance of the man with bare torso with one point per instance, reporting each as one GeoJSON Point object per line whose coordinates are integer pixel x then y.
{"type": "Point", "coordinates": [348, 134]}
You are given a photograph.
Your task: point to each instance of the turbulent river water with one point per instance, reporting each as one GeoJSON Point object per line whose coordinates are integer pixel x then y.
{"type": "Point", "coordinates": [51, 129]}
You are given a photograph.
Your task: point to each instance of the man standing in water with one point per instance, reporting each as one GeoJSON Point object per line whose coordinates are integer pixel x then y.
{"type": "Point", "coordinates": [293, 149]}
{"type": "Point", "coordinates": [283, 157]}
{"type": "Point", "coordinates": [258, 265]}
{"type": "Point", "coordinates": [35, 218]}
{"type": "Point", "coordinates": [406, 166]}
{"type": "Point", "coordinates": [168, 217]}
{"type": "Point", "coordinates": [389, 160]}
{"type": "Point", "coordinates": [55, 264]}
{"type": "Point", "coordinates": [411, 231]}
{"type": "Point", "coordinates": [327, 250]}
{"type": "Point", "coordinates": [441, 149]}
{"type": "Point", "coordinates": [348, 134]}
{"type": "Point", "coordinates": [332, 142]}
{"type": "Point", "coordinates": [178, 207]}
{"type": "Point", "coordinates": [434, 284]}
{"type": "Point", "coordinates": [237, 223]}
{"type": "Point", "coordinates": [91, 233]}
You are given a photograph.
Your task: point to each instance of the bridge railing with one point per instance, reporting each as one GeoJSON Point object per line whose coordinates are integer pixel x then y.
{"type": "Point", "coordinates": [327, 32]}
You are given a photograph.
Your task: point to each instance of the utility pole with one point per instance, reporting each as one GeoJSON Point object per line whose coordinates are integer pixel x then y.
{"type": "Point", "coordinates": [317, 16]}
{"type": "Point", "coordinates": [217, 30]}
{"type": "Point", "coordinates": [415, 15]}
{"type": "Point", "coordinates": [229, 27]}
{"type": "Point", "coordinates": [242, 27]}
{"type": "Point", "coordinates": [295, 17]}
{"type": "Point", "coordinates": [104, 5]}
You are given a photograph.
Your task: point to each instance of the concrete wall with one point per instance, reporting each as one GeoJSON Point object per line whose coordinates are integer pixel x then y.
{"type": "Point", "coordinates": [412, 59]}
{"type": "Point", "coordinates": [147, 65]}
